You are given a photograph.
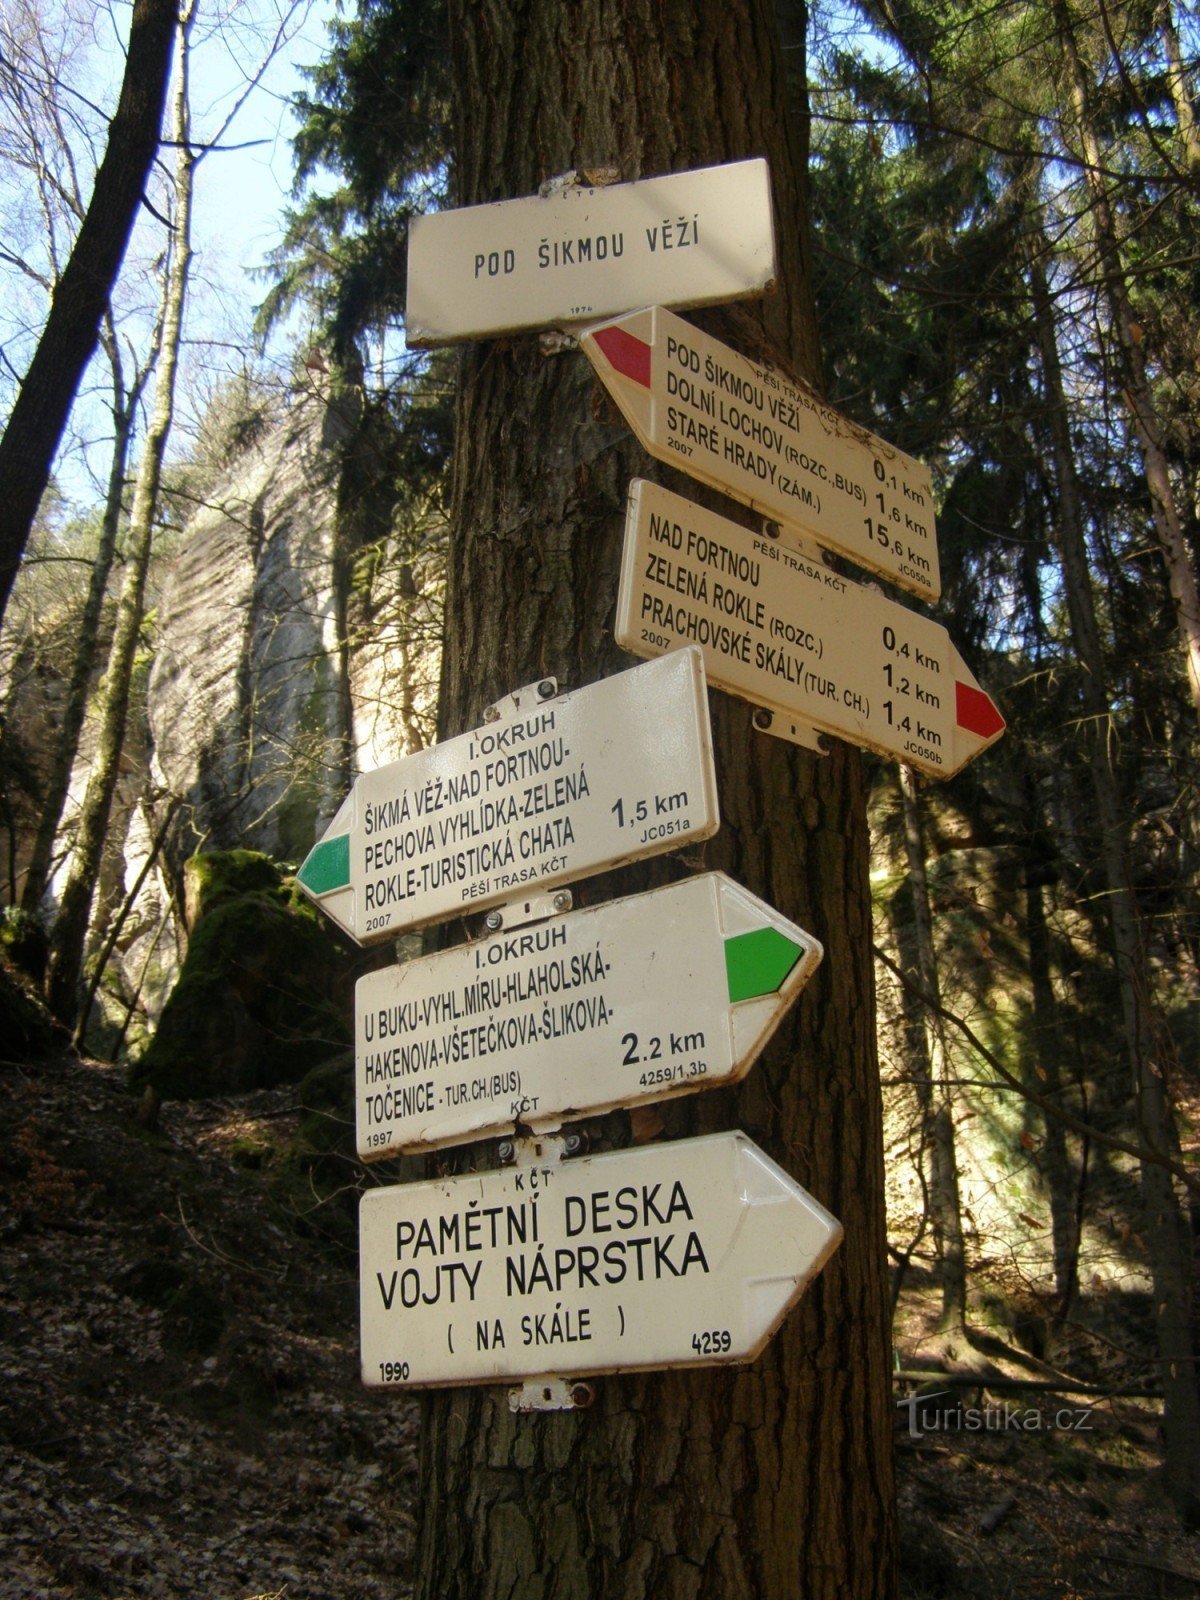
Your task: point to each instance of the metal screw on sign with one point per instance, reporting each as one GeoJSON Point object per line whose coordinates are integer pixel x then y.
{"type": "Point", "coordinates": [546, 688]}
{"type": "Point", "coordinates": [763, 719]}
{"type": "Point", "coordinates": [583, 1394]}
{"type": "Point", "coordinates": [494, 921]}
{"type": "Point", "coordinates": [772, 530]}
{"type": "Point", "coordinates": [573, 1144]}
{"type": "Point", "coordinates": [562, 900]}
{"type": "Point", "coordinates": [505, 1152]}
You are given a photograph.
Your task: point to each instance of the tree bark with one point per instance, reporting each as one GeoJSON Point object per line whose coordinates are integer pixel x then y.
{"type": "Point", "coordinates": [773, 1481]}
{"type": "Point", "coordinates": [70, 928]}
{"type": "Point", "coordinates": [81, 296]}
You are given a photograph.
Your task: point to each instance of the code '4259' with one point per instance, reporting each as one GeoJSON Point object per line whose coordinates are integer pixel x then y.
{"type": "Point", "coordinates": [714, 1342]}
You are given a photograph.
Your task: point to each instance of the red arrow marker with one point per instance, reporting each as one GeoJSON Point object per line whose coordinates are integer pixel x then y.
{"type": "Point", "coordinates": [976, 711]}
{"type": "Point", "coordinates": [749, 431]}
{"type": "Point", "coordinates": [626, 354]}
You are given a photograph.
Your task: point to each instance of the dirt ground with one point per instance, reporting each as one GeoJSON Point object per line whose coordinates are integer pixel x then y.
{"type": "Point", "coordinates": [181, 1414]}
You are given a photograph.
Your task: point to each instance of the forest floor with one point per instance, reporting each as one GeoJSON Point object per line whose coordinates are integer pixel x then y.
{"type": "Point", "coordinates": [181, 1413]}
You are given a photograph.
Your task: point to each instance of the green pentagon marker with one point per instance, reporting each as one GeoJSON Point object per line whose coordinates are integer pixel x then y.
{"type": "Point", "coordinates": [757, 963]}
{"type": "Point", "coordinates": [327, 866]}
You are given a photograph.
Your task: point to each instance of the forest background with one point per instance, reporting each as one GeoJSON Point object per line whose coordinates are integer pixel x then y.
{"type": "Point", "coordinates": [1004, 203]}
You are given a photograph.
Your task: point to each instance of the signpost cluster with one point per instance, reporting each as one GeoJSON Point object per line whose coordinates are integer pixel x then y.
{"type": "Point", "coordinates": [557, 1266]}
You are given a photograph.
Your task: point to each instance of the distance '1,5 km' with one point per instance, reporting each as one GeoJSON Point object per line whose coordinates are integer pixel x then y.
{"type": "Point", "coordinates": [655, 817]}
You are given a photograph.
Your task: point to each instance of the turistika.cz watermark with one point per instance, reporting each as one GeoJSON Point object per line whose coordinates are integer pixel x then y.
{"type": "Point", "coordinates": [941, 1412]}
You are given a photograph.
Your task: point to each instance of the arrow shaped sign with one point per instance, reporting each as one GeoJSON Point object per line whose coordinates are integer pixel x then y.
{"type": "Point", "coordinates": [580, 253]}
{"type": "Point", "coordinates": [749, 431]}
{"type": "Point", "coordinates": [784, 632]}
{"type": "Point", "coordinates": [668, 1255]}
{"type": "Point", "coordinates": [612, 772]}
{"type": "Point", "coordinates": [659, 994]}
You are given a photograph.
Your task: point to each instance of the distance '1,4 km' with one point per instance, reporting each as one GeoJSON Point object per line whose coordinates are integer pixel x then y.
{"type": "Point", "coordinates": [656, 817]}
{"type": "Point", "coordinates": [908, 696]}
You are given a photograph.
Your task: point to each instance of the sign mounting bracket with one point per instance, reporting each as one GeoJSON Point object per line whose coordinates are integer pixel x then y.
{"type": "Point", "coordinates": [529, 908]}
{"type": "Point", "coordinates": [800, 733]}
{"type": "Point", "coordinates": [521, 700]}
{"type": "Point", "coordinates": [551, 1394]}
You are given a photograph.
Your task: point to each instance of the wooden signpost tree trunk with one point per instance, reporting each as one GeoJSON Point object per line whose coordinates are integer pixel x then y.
{"type": "Point", "coordinates": [775, 1480]}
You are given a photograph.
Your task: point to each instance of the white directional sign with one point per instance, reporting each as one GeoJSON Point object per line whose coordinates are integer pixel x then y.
{"type": "Point", "coordinates": [786, 633]}
{"type": "Point", "coordinates": [660, 994]}
{"type": "Point", "coordinates": [581, 253]}
{"type": "Point", "coordinates": [659, 1256]}
{"type": "Point", "coordinates": [609, 773]}
{"type": "Point", "coordinates": [746, 429]}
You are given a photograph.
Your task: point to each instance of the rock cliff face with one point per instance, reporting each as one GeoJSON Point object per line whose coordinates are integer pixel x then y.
{"type": "Point", "coordinates": [295, 642]}
{"type": "Point", "coordinates": [248, 703]}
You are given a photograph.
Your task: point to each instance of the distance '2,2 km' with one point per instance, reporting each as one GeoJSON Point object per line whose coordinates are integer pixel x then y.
{"type": "Point", "coordinates": [675, 1068]}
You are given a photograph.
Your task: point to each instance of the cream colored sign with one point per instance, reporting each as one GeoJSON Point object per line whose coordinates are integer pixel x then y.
{"type": "Point", "coordinates": [788, 634]}
{"type": "Point", "coordinates": [581, 253]}
{"type": "Point", "coordinates": [744, 428]}
{"type": "Point", "coordinates": [659, 994]}
{"type": "Point", "coordinates": [668, 1255]}
{"type": "Point", "coordinates": [612, 772]}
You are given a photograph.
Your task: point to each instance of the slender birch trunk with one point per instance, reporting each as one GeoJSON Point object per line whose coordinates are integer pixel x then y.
{"type": "Point", "coordinates": [66, 746]}
{"type": "Point", "coordinates": [70, 928]}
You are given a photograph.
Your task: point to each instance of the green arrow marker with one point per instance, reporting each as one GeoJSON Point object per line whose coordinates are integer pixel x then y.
{"type": "Point", "coordinates": [757, 963]}
{"type": "Point", "coordinates": [327, 866]}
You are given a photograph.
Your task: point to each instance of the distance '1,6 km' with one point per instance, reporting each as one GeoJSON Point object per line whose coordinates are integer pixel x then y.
{"type": "Point", "coordinates": [906, 510]}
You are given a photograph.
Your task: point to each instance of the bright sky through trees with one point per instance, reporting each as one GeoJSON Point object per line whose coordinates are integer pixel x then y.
{"type": "Point", "coordinates": [76, 48]}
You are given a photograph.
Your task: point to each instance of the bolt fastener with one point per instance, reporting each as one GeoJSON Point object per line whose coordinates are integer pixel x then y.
{"type": "Point", "coordinates": [562, 901]}
{"type": "Point", "coordinates": [493, 921]}
{"type": "Point", "coordinates": [763, 719]}
{"type": "Point", "coordinates": [546, 688]}
{"type": "Point", "coordinates": [505, 1151]}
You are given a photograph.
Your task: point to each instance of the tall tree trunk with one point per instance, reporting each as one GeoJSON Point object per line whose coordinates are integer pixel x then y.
{"type": "Point", "coordinates": [70, 928]}
{"type": "Point", "coordinates": [773, 1481]}
{"type": "Point", "coordinates": [81, 295]}
{"type": "Point", "coordinates": [67, 744]}
{"type": "Point", "coordinates": [1177, 85]}
{"type": "Point", "coordinates": [1139, 397]}
{"type": "Point", "coordinates": [1165, 1224]}
{"type": "Point", "coordinates": [1044, 1074]}
{"type": "Point", "coordinates": [937, 1100]}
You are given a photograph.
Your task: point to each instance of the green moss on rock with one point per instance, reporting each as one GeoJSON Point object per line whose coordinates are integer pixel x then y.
{"type": "Point", "coordinates": [220, 876]}
{"type": "Point", "coordinates": [27, 1030]}
{"type": "Point", "coordinates": [263, 995]}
